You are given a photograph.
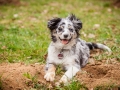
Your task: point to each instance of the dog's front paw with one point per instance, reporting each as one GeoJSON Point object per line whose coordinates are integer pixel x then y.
{"type": "Point", "coordinates": [64, 79]}
{"type": "Point", "coordinates": [50, 76]}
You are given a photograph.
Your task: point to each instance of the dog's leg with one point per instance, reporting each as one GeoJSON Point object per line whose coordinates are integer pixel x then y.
{"type": "Point", "coordinates": [69, 74]}
{"type": "Point", "coordinates": [50, 74]}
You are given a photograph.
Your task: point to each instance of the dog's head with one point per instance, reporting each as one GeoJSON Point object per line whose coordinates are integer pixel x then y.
{"type": "Point", "coordinates": [64, 30]}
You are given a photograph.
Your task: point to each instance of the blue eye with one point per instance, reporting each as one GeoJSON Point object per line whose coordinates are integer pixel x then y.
{"type": "Point", "coordinates": [71, 29]}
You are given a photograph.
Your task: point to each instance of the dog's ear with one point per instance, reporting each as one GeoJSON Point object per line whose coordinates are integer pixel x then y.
{"type": "Point", "coordinates": [76, 22]}
{"type": "Point", "coordinates": [52, 24]}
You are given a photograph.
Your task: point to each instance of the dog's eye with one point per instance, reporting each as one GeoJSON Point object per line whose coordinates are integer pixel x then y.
{"type": "Point", "coordinates": [60, 29]}
{"type": "Point", "coordinates": [71, 29]}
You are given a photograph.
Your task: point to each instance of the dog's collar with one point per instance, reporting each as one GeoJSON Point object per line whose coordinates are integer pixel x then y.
{"type": "Point", "coordinates": [60, 55]}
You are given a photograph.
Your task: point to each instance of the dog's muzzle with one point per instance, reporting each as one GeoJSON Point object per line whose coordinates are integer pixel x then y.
{"type": "Point", "coordinates": [65, 41]}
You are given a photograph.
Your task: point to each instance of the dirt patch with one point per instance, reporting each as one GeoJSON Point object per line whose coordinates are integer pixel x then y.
{"type": "Point", "coordinates": [13, 75]}
{"type": "Point", "coordinates": [14, 2]}
{"type": "Point", "coordinates": [117, 3]}
{"type": "Point", "coordinates": [100, 75]}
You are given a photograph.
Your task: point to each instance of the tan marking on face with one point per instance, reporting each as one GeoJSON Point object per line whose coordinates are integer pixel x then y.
{"type": "Point", "coordinates": [62, 26]}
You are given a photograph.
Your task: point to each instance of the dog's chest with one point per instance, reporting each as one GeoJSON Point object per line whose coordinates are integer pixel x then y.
{"type": "Point", "coordinates": [59, 56]}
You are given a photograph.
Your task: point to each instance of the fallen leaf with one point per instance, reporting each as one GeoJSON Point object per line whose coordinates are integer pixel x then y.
{"type": "Point", "coordinates": [3, 47]}
{"type": "Point", "coordinates": [109, 10]}
{"type": "Point", "coordinates": [84, 34]}
{"type": "Point", "coordinates": [44, 12]}
{"type": "Point", "coordinates": [15, 15]}
{"type": "Point", "coordinates": [91, 36]}
{"type": "Point", "coordinates": [96, 26]}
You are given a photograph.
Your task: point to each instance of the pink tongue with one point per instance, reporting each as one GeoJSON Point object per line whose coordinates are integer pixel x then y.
{"type": "Point", "coordinates": [64, 41]}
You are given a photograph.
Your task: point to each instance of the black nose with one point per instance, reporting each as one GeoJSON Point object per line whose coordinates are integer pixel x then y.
{"type": "Point", "coordinates": [65, 36]}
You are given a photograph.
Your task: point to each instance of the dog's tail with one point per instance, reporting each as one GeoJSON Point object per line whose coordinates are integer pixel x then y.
{"type": "Point", "coordinates": [98, 46]}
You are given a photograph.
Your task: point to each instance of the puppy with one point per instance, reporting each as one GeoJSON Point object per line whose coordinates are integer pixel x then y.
{"type": "Point", "coordinates": [67, 49]}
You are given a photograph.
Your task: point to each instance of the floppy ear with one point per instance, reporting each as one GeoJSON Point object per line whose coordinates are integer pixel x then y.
{"type": "Point", "coordinates": [76, 22]}
{"type": "Point", "coordinates": [52, 24]}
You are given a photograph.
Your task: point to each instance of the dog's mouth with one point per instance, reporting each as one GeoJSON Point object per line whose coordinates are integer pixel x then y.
{"type": "Point", "coordinates": [65, 41]}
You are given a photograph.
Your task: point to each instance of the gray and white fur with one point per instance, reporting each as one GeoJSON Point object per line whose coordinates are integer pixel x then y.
{"type": "Point", "coordinates": [66, 42]}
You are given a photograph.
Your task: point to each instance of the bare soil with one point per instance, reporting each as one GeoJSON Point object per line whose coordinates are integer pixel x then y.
{"type": "Point", "coordinates": [14, 2]}
{"type": "Point", "coordinates": [117, 3]}
{"type": "Point", "coordinates": [94, 74]}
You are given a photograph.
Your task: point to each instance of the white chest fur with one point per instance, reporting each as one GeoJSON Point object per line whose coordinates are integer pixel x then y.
{"type": "Point", "coordinates": [68, 56]}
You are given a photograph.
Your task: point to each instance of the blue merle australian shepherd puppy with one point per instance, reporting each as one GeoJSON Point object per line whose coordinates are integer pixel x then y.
{"type": "Point", "coordinates": [67, 49]}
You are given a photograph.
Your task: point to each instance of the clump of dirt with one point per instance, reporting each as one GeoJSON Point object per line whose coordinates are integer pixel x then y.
{"type": "Point", "coordinates": [13, 75]}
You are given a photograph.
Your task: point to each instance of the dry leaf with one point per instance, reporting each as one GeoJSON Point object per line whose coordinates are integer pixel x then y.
{"type": "Point", "coordinates": [84, 34]}
{"type": "Point", "coordinates": [91, 36]}
{"type": "Point", "coordinates": [3, 47]}
{"type": "Point", "coordinates": [109, 10]}
{"type": "Point", "coordinates": [96, 26]}
{"type": "Point", "coordinates": [15, 15]}
{"type": "Point", "coordinates": [44, 12]}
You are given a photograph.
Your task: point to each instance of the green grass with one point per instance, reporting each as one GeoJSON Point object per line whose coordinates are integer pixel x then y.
{"type": "Point", "coordinates": [33, 82]}
{"type": "Point", "coordinates": [24, 36]}
{"type": "Point", "coordinates": [74, 85]}
{"type": "Point", "coordinates": [107, 87]}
